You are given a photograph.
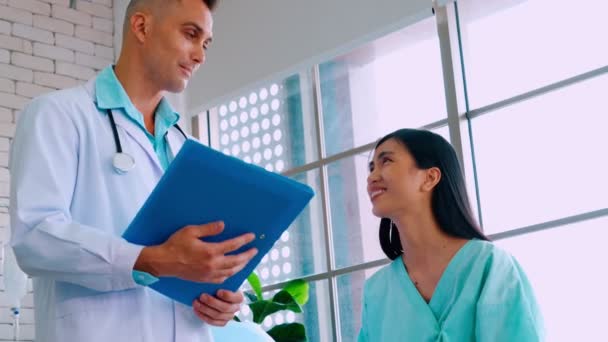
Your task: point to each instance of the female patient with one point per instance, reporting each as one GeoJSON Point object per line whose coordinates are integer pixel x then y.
{"type": "Point", "coordinates": [446, 281]}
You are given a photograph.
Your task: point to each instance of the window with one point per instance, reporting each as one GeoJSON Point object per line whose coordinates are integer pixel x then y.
{"type": "Point", "coordinates": [514, 46]}
{"type": "Point", "coordinates": [566, 265]}
{"type": "Point", "coordinates": [392, 83]}
{"type": "Point", "coordinates": [270, 127]}
{"type": "Point", "coordinates": [542, 159]}
{"type": "Point", "coordinates": [350, 292]}
{"type": "Point", "coordinates": [539, 159]}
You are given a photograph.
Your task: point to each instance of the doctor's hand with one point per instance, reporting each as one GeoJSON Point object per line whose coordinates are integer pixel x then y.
{"type": "Point", "coordinates": [218, 310]}
{"type": "Point", "coordinates": [187, 257]}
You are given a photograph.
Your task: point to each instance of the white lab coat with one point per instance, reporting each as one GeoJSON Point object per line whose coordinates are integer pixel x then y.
{"type": "Point", "coordinates": [68, 211]}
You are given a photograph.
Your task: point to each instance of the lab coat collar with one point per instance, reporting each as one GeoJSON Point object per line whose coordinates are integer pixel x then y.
{"type": "Point", "coordinates": [130, 127]}
{"type": "Point", "coordinates": [110, 94]}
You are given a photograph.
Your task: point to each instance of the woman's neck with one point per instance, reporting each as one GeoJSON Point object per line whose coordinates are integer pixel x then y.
{"type": "Point", "coordinates": [425, 245]}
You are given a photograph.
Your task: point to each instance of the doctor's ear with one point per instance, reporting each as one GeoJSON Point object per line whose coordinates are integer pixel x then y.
{"type": "Point", "coordinates": [140, 23]}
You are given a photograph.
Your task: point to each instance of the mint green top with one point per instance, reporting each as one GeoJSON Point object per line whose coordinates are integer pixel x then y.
{"type": "Point", "coordinates": [111, 95]}
{"type": "Point", "coordinates": [483, 295]}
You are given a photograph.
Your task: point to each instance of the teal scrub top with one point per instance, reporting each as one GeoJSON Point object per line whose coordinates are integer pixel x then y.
{"type": "Point", "coordinates": [483, 295]}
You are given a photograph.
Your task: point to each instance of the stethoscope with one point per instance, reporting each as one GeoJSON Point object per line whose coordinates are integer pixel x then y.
{"type": "Point", "coordinates": [122, 161]}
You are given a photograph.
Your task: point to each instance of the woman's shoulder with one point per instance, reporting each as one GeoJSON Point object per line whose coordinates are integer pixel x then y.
{"type": "Point", "coordinates": [489, 251]}
{"type": "Point", "coordinates": [378, 282]}
{"type": "Point", "coordinates": [498, 264]}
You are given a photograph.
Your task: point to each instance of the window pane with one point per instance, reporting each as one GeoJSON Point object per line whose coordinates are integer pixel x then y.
{"type": "Point", "coordinates": [350, 299]}
{"type": "Point", "coordinates": [514, 46]}
{"type": "Point", "coordinates": [392, 83]}
{"type": "Point", "coordinates": [314, 316]}
{"type": "Point", "coordinates": [545, 158]}
{"type": "Point", "coordinates": [444, 131]}
{"type": "Point", "coordinates": [567, 268]}
{"type": "Point", "coordinates": [301, 249]}
{"type": "Point", "coordinates": [354, 227]}
{"type": "Point", "coordinates": [272, 126]}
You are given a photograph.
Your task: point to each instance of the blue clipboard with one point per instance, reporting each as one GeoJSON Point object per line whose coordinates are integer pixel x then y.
{"type": "Point", "coordinates": [202, 185]}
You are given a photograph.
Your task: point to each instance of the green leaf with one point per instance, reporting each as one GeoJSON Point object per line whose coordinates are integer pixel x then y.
{"type": "Point", "coordinates": [298, 289]}
{"type": "Point", "coordinates": [236, 318]}
{"type": "Point", "coordinates": [290, 332]}
{"type": "Point", "coordinates": [256, 285]}
{"type": "Point", "coordinates": [252, 297]}
{"type": "Point", "coordinates": [262, 308]}
{"type": "Point", "coordinates": [285, 298]}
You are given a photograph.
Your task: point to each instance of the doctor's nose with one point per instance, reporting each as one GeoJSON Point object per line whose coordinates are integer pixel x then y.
{"type": "Point", "coordinates": [198, 57]}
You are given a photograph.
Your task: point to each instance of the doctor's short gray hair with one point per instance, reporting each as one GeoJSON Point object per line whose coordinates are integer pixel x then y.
{"type": "Point", "coordinates": [135, 5]}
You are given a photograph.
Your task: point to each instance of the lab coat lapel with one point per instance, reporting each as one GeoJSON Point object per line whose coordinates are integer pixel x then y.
{"type": "Point", "coordinates": [175, 141]}
{"type": "Point", "coordinates": [137, 134]}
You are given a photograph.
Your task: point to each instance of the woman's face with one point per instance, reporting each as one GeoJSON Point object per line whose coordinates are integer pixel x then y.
{"type": "Point", "coordinates": [395, 184]}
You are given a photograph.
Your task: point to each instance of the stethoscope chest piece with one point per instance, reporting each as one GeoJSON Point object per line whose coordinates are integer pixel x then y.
{"type": "Point", "coordinates": [123, 163]}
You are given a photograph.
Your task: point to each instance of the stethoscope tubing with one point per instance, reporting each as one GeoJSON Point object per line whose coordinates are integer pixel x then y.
{"type": "Point", "coordinates": [123, 162]}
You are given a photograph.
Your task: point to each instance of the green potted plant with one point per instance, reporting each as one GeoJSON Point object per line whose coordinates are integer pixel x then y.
{"type": "Point", "coordinates": [290, 298]}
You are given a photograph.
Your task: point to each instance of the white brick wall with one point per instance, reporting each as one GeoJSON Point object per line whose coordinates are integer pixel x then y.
{"type": "Point", "coordinates": [5, 27]}
{"type": "Point", "coordinates": [54, 80]}
{"type": "Point", "coordinates": [4, 146]}
{"type": "Point", "coordinates": [33, 34]}
{"type": "Point", "coordinates": [54, 25]}
{"type": "Point", "coordinates": [5, 56]}
{"type": "Point", "coordinates": [93, 35]}
{"type": "Point", "coordinates": [13, 43]}
{"type": "Point", "coordinates": [92, 61]}
{"type": "Point", "coordinates": [15, 73]}
{"type": "Point", "coordinates": [104, 51]}
{"type": "Point", "coordinates": [44, 46]}
{"type": "Point", "coordinates": [16, 15]}
{"type": "Point", "coordinates": [33, 6]}
{"type": "Point", "coordinates": [31, 62]}
{"type": "Point", "coordinates": [74, 43]}
{"type": "Point", "coordinates": [31, 90]}
{"type": "Point", "coordinates": [71, 15]}
{"type": "Point", "coordinates": [53, 52]}
{"type": "Point", "coordinates": [74, 70]}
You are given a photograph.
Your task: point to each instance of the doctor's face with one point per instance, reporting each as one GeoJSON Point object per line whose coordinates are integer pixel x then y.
{"type": "Point", "coordinates": [178, 43]}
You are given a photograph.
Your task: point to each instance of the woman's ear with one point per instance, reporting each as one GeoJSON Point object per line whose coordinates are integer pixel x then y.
{"type": "Point", "coordinates": [432, 178]}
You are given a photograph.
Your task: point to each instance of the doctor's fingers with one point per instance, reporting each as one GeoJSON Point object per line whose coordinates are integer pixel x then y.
{"type": "Point", "coordinates": [219, 304]}
{"type": "Point", "coordinates": [208, 319]}
{"type": "Point", "coordinates": [230, 297]}
{"type": "Point", "coordinates": [208, 229]}
{"type": "Point", "coordinates": [219, 276]}
{"type": "Point", "coordinates": [233, 244]}
{"type": "Point", "coordinates": [232, 261]}
{"type": "Point", "coordinates": [212, 315]}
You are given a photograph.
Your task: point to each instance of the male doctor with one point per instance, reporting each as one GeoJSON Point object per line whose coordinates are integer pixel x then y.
{"type": "Point", "coordinates": [83, 162]}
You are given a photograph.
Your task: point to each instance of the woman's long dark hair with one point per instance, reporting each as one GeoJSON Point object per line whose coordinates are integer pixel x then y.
{"type": "Point", "coordinates": [449, 202]}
